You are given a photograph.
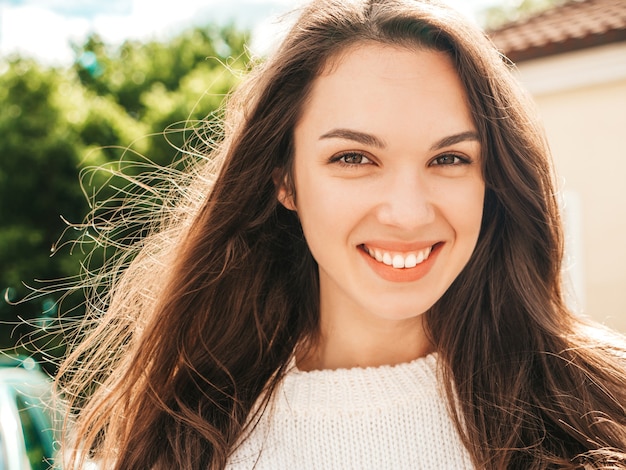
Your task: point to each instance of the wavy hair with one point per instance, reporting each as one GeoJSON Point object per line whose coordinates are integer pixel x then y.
{"type": "Point", "coordinates": [195, 333]}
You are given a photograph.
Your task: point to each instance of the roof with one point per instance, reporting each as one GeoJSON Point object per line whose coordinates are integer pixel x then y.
{"type": "Point", "coordinates": [571, 26]}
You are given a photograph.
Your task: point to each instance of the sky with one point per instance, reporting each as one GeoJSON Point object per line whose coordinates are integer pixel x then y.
{"type": "Point", "coordinates": [44, 29]}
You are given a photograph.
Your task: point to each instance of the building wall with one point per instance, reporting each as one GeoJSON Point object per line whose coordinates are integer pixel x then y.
{"type": "Point", "coordinates": [581, 98]}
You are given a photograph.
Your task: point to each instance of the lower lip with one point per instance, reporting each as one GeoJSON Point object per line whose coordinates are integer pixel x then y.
{"type": "Point", "coordinates": [389, 273]}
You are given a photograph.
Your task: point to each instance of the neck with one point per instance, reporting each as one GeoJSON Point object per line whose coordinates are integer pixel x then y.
{"type": "Point", "coordinates": [371, 343]}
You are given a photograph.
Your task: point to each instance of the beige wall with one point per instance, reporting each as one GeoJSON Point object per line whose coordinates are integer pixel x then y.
{"type": "Point", "coordinates": [581, 98]}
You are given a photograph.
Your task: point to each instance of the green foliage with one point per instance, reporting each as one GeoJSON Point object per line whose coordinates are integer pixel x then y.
{"type": "Point", "coordinates": [55, 122]}
{"type": "Point", "coordinates": [39, 153]}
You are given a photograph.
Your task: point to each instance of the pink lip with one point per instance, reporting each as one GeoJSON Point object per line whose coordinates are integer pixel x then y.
{"type": "Point", "coordinates": [392, 274]}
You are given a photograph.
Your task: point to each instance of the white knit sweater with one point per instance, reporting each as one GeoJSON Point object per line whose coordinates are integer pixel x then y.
{"type": "Point", "coordinates": [389, 417]}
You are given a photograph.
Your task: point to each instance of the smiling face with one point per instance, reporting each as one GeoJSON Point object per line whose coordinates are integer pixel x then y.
{"type": "Point", "coordinates": [388, 183]}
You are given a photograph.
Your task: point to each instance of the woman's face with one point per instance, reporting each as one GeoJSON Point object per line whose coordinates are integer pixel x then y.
{"type": "Point", "coordinates": [388, 181]}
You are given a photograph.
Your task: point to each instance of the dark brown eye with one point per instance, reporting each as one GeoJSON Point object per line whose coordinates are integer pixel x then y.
{"type": "Point", "coordinates": [353, 158]}
{"type": "Point", "coordinates": [449, 159]}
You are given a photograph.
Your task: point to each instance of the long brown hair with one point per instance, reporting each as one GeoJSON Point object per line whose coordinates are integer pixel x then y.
{"type": "Point", "coordinates": [196, 332]}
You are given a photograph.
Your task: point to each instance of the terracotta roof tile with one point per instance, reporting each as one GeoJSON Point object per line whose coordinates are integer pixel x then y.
{"type": "Point", "coordinates": [574, 25]}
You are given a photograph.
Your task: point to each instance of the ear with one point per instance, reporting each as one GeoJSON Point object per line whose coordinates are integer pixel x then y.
{"type": "Point", "coordinates": [285, 190]}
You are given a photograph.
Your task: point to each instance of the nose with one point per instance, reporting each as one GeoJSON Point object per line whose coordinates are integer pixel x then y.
{"type": "Point", "coordinates": [406, 201]}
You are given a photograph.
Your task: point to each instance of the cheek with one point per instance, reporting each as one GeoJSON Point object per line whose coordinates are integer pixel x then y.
{"type": "Point", "coordinates": [324, 209]}
{"type": "Point", "coordinates": [462, 207]}
{"type": "Point", "coordinates": [470, 212]}
{"type": "Point", "coordinates": [330, 212]}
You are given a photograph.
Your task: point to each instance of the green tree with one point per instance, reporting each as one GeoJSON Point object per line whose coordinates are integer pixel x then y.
{"type": "Point", "coordinates": [164, 83]}
{"type": "Point", "coordinates": [112, 103]}
{"type": "Point", "coordinates": [39, 153]}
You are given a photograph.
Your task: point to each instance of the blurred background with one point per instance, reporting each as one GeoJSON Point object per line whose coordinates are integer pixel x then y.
{"type": "Point", "coordinates": [82, 80]}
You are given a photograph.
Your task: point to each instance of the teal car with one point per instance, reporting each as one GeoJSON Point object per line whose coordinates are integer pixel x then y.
{"type": "Point", "coordinates": [28, 423]}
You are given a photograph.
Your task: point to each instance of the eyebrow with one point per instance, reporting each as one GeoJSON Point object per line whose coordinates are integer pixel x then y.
{"type": "Point", "coordinates": [356, 136]}
{"type": "Point", "coordinates": [373, 141]}
{"type": "Point", "coordinates": [455, 139]}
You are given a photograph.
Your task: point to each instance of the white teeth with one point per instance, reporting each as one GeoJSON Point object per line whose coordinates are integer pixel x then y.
{"type": "Point", "coordinates": [399, 261]}
{"type": "Point", "coordinates": [410, 261]}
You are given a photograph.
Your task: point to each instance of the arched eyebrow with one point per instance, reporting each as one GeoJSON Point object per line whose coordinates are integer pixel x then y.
{"type": "Point", "coordinates": [455, 139]}
{"type": "Point", "coordinates": [373, 141]}
{"type": "Point", "coordinates": [356, 136]}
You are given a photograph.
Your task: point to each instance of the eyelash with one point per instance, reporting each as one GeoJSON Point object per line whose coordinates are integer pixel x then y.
{"type": "Point", "coordinates": [457, 160]}
{"type": "Point", "coordinates": [340, 159]}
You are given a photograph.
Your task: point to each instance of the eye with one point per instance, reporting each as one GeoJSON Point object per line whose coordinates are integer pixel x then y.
{"type": "Point", "coordinates": [351, 158]}
{"type": "Point", "coordinates": [449, 160]}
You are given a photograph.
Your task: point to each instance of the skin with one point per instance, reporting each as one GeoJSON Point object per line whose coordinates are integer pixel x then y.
{"type": "Point", "coordinates": [386, 158]}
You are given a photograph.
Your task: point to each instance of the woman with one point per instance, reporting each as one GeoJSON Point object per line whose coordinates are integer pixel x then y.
{"type": "Point", "coordinates": [372, 280]}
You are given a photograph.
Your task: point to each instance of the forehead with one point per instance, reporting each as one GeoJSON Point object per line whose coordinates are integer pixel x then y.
{"type": "Point", "coordinates": [389, 89]}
